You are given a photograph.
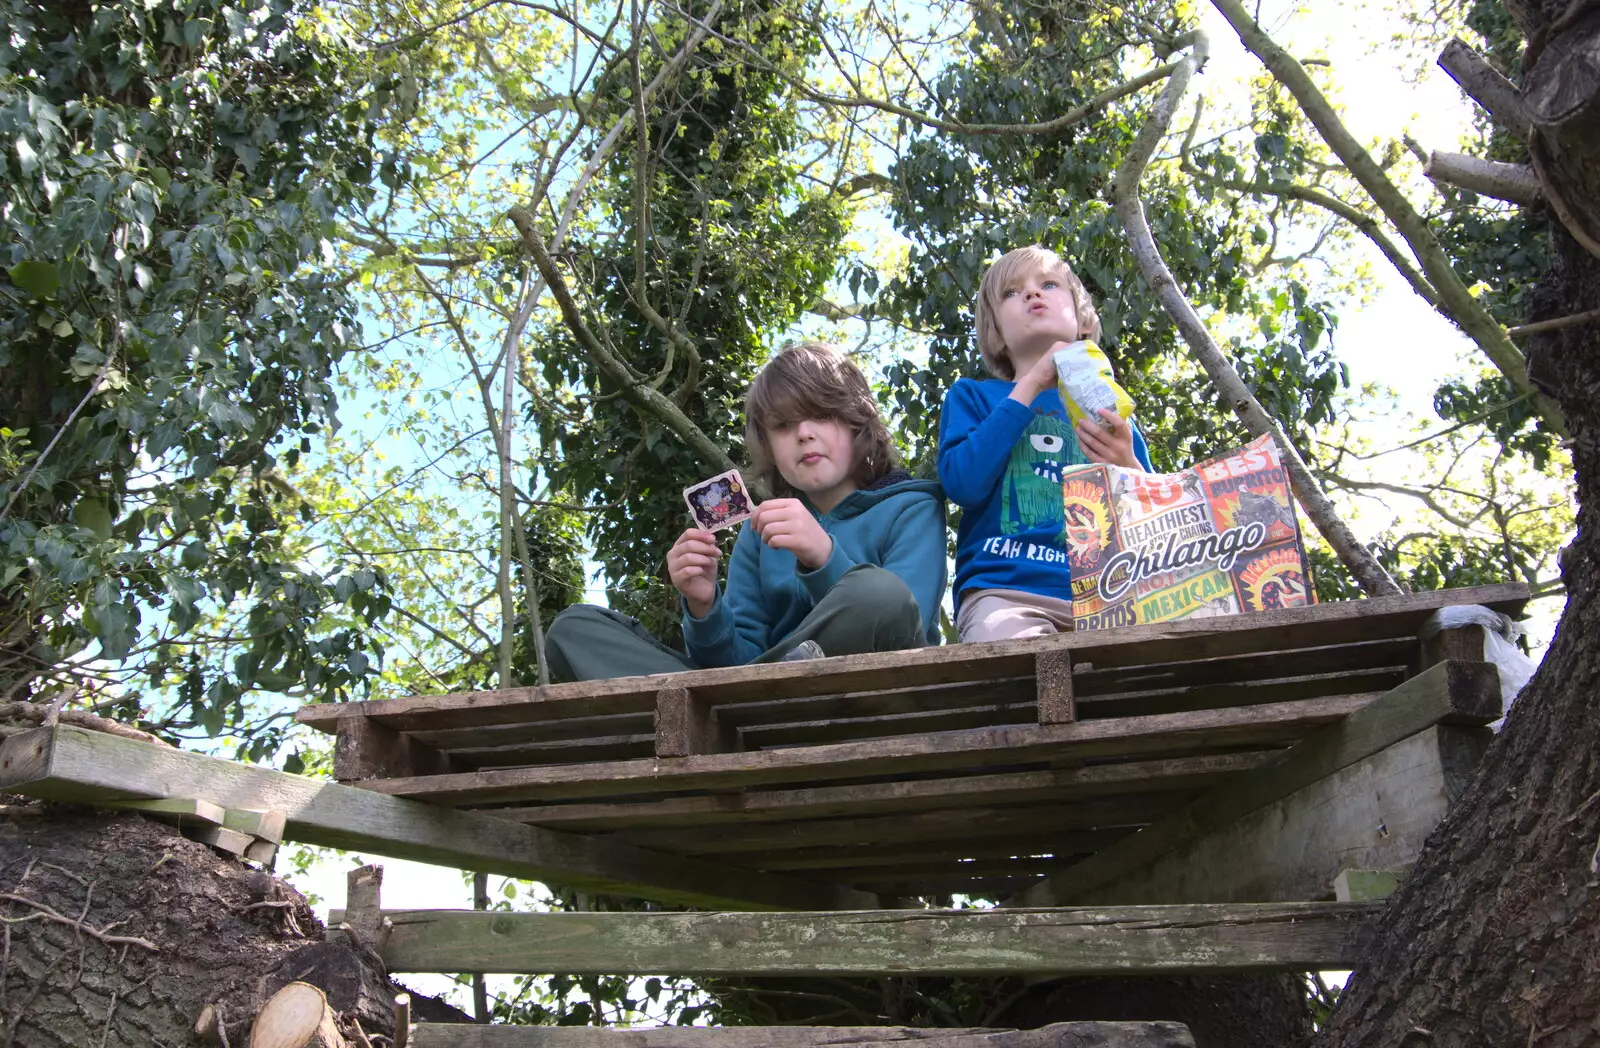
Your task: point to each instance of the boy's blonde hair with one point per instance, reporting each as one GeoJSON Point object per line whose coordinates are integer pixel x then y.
{"type": "Point", "coordinates": [808, 379]}
{"type": "Point", "coordinates": [1008, 268]}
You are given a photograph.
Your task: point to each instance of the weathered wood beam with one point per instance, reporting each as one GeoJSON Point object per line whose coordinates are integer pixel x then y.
{"type": "Point", "coordinates": [1377, 813]}
{"type": "Point", "coordinates": [1233, 728]}
{"type": "Point", "coordinates": [1053, 671]}
{"type": "Point", "coordinates": [687, 724]}
{"type": "Point", "coordinates": [1322, 624]}
{"type": "Point", "coordinates": [1449, 692]}
{"type": "Point", "coordinates": [905, 795]}
{"type": "Point", "coordinates": [69, 764]}
{"type": "Point", "coordinates": [367, 749]}
{"type": "Point", "coordinates": [1083, 941]}
{"type": "Point", "coordinates": [1514, 182]}
{"type": "Point", "coordinates": [1056, 1035]}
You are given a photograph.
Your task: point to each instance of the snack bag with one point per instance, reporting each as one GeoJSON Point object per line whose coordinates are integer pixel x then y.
{"type": "Point", "coordinates": [1219, 538]}
{"type": "Point", "coordinates": [1088, 384]}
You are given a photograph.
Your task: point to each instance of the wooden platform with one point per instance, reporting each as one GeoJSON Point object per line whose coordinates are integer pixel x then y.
{"type": "Point", "coordinates": [967, 768]}
{"type": "Point", "coordinates": [1056, 1035]}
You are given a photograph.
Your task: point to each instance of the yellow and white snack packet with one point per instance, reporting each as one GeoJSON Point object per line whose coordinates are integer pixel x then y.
{"type": "Point", "coordinates": [1088, 384]}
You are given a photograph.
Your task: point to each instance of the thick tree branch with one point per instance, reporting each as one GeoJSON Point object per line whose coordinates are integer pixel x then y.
{"type": "Point", "coordinates": [1368, 573]}
{"type": "Point", "coordinates": [1455, 301]}
{"type": "Point", "coordinates": [1484, 84]}
{"type": "Point", "coordinates": [1513, 182]}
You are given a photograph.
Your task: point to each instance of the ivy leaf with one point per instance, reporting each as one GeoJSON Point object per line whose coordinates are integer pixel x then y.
{"type": "Point", "coordinates": [39, 279]}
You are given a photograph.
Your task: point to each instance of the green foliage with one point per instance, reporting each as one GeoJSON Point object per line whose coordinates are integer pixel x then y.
{"type": "Point", "coordinates": [166, 337]}
{"type": "Point", "coordinates": [733, 249]}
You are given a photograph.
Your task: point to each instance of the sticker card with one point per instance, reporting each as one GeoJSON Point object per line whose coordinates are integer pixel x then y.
{"type": "Point", "coordinates": [720, 502]}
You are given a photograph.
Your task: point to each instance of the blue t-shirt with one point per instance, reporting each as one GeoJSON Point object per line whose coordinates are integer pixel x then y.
{"type": "Point", "coordinates": [1001, 463]}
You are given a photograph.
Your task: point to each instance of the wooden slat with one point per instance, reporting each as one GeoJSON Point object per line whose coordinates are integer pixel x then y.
{"type": "Point", "coordinates": [825, 857]}
{"type": "Point", "coordinates": [1053, 673]}
{"type": "Point", "coordinates": [1398, 652]}
{"type": "Point", "coordinates": [1056, 1035]}
{"type": "Point", "coordinates": [884, 703]}
{"type": "Point", "coordinates": [908, 795]}
{"type": "Point", "coordinates": [1450, 692]}
{"type": "Point", "coordinates": [1084, 941]}
{"type": "Point", "coordinates": [686, 724]}
{"type": "Point", "coordinates": [565, 751]}
{"type": "Point", "coordinates": [539, 731]}
{"type": "Point", "coordinates": [1244, 727]}
{"type": "Point", "coordinates": [1322, 624]}
{"type": "Point", "coordinates": [957, 824]}
{"type": "Point", "coordinates": [367, 749]}
{"type": "Point", "coordinates": [69, 764]}
{"type": "Point", "coordinates": [1240, 693]}
{"type": "Point", "coordinates": [177, 810]}
{"type": "Point", "coordinates": [811, 733]}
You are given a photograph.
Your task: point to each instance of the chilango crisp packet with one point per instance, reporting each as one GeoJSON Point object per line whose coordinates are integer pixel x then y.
{"type": "Point", "coordinates": [1219, 538]}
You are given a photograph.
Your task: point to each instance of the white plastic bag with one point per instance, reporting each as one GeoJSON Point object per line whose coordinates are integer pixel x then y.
{"type": "Point", "coordinates": [1499, 645]}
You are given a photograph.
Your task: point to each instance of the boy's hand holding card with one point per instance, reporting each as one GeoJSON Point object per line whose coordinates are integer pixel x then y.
{"type": "Point", "coordinates": [720, 502]}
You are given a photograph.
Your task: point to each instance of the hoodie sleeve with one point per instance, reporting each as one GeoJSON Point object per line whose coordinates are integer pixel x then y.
{"type": "Point", "coordinates": [738, 626]}
{"type": "Point", "coordinates": [916, 553]}
{"type": "Point", "coordinates": [975, 442]}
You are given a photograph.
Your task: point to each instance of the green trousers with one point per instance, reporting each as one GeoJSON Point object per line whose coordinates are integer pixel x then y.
{"type": "Point", "coordinates": [868, 609]}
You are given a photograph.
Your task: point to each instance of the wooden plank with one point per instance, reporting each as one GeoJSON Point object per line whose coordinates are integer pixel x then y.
{"type": "Point", "coordinates": [1082, 941]}
{"type": "Point", "coordinates": [220, 837]}
{"type": "Point", "coordinates": [907, 795]}
{"type": "Point", "coordinates": [565, 751]}
{"type": "Point", "coordinates": [1056, 1035]}
{"type": "Point", "coordinates": [1376, 814]}
{"type": "Point", "coordinates": [883, 703]}
{"type": "Point", "coordinates": [1053, 673]}
{"type": "Point", "coordinates": [1243, 727]}
{"type": "Point", "coordinates": [927, 852]}
{"type": "Point", "coordinates": [811, 733]}
{"type": "Point", "coordinates": [539, 731]}
{"type": "Point", "coordinates": [1450, 692]}
{"type": "Point", "coordinates": [69, 764]}
{"type": "Point", "coordinates": [366, 749]}
{"type": "Point", "coordinates": [1398, 652]}
{"type": "Point", "coordinates": [178, 810]}
{"type": "Point", "coordinates": [1321, 624]}
{"type": "Point", "coordinates": [1241, 693]}
{"type": "Point", "coordinates": [265, 825]}
{"type": "Point", "coordinates": [971, 824]}
{"type": "Point", "coordinates": [686, 724]}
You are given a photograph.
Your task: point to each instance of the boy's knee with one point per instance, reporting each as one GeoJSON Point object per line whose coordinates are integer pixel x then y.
{"type": "Point", "coordinates": [879, 595]}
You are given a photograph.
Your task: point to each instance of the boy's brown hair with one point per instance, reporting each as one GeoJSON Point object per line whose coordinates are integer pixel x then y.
{"type": "Point", "coordinates": [811, 379]}
{"type": "Point", "coordinates": [1008, 268]}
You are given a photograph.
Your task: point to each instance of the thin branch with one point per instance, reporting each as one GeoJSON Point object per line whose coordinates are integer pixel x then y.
{"type": "Point", "coordinates": [1544, 326]}
{"type": "Point", "coordinates": [1356, 557]}
{"type": "Point", "coordinates": [1455, 301]}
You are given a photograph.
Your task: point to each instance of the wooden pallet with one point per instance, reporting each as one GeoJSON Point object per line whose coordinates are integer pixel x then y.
{"type": "Point", "coordinates": [969, 768]}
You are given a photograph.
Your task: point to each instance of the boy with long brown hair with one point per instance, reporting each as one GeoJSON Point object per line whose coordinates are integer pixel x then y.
{"type": "Point", "coordinates": [848, 558]}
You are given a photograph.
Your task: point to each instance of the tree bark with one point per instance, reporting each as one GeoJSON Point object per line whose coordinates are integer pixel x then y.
{"type": "Point", "coordinates": [1493, 938]}
{"type": "Point", "coordinates": [119, 932]}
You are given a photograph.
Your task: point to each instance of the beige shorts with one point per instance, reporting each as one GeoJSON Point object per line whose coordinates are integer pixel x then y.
{"type": "Point", "coordinates": [1003, 614]}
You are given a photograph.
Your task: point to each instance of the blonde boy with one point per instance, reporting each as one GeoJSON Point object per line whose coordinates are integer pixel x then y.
{"type": "Point", "coordinates": [1003, 443]}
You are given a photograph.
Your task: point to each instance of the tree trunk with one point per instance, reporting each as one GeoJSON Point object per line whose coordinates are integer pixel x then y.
{"type": "Point", "coordinates": [120, 933]}
{"type": "Point", "coordinates": [1493, 940]}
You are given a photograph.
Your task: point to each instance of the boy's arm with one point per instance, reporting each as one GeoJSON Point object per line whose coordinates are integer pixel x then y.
{"type": "Point", "coordinates": [735, 630]}
{"type": "Point", "coordinates": [975, 442]}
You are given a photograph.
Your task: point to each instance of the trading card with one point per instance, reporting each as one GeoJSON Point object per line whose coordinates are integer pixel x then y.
{"type": "Point", "coordinates": [720, 502]}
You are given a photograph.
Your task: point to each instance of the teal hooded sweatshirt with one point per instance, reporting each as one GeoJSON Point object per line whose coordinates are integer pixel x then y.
{"type": "Point", "coordinates": [897, 524]}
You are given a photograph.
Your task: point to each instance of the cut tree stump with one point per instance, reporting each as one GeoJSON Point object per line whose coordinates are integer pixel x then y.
{"type": "Point", "coordinates": [297, 1016]}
